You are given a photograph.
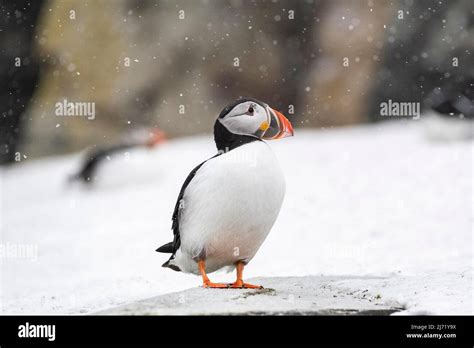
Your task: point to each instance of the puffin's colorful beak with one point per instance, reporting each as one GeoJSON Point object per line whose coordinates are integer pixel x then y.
{"type": "Point", "coordinates": [279, 126]}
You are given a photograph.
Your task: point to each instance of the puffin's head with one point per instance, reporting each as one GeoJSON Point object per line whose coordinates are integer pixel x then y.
{"type": "Point", "coordinates": [254, 118]}
{"type": "Point", "coordinates": [145, 136]}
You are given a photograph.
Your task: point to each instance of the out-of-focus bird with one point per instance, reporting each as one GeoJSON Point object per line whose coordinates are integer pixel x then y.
{"type": "Point", "coordinates": [98, 157]}
{"type": "Point", "coordinates": [450, 114]}
{"type": "Point", "coordinates": [228, 203]}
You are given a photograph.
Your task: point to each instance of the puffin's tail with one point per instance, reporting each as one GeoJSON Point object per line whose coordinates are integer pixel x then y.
{"type": "Point", "coordinates": [170, 264]}
{"type": "Point", "coordinates": [168, 249]}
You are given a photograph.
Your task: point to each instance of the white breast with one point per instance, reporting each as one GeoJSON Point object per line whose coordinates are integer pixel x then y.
{"type": "Point", "coordinates": [229, 207]}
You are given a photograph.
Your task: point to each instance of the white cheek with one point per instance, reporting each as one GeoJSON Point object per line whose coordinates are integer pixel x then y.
{"type": "Point", "coordinates": [262, 117]}
{"type": "Point", "coordinates": [244, 125]}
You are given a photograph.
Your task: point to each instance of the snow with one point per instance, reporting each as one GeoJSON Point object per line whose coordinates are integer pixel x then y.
{"type": "Point", "coordinates": [368, 201]}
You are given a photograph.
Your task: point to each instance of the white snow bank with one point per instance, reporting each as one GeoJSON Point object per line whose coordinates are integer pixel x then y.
{"type": "Point", "coordinates": [375, 200]}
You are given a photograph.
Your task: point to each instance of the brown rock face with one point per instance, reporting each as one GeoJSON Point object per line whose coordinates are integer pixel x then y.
{"type": "Point", "coordinates": [175, 64]}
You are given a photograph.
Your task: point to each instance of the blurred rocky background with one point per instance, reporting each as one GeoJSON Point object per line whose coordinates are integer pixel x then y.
{"type": "Point", "coordinates": [175, 64]}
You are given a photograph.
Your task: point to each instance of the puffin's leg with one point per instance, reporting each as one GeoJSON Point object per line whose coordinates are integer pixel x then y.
{"type": "Point", "coordinates": [206, 283]}
{"type": "Point", "coordinates": [239, 283]}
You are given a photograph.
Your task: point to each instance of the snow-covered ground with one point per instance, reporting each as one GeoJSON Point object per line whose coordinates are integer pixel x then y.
{"type": "Point", "coordinates": [377, 200]}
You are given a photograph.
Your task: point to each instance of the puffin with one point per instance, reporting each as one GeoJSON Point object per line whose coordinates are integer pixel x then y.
{"type": "Point", "coordinates": [228, 204]}
{"type": "Point", "coordinates": [95, 158]}
{"type": "Point", "coordinates": [450, 112]}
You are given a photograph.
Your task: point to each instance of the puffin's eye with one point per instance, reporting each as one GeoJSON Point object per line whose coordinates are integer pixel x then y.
{"type": "Point", "coordinates": [250, 110]}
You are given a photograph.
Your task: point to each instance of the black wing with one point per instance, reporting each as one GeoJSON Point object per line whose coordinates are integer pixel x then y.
{"type": "Point", "coordinates": [173, 246]}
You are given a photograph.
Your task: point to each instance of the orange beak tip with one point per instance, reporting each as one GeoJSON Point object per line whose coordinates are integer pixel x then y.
{"type": "Point", "coordinates": [286, 127]}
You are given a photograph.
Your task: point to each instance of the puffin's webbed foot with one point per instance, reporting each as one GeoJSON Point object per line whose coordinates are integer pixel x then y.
{"type": "Point", "coordinates": [209, 284]}
{"type": "Point", "coordinates": [206, 283]}
{"type": "Point", "coordinates": [239, 284]}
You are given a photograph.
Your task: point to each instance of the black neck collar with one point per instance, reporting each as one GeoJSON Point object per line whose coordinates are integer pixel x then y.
{"type": "Point", "coordinates": [226, 141]}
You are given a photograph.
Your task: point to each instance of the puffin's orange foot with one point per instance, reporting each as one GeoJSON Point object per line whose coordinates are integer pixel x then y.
{"type": "Point", "coordinates": [239, 284]}
{"type": "Point", "coordinates": [212, 285]}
